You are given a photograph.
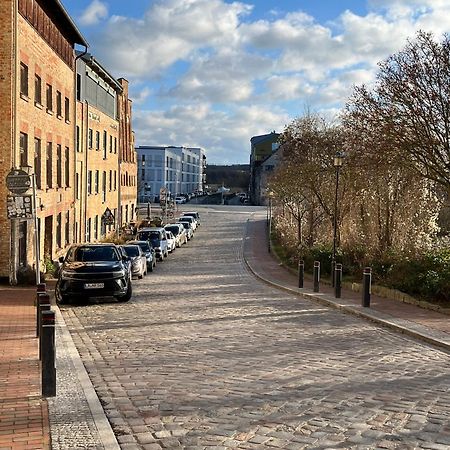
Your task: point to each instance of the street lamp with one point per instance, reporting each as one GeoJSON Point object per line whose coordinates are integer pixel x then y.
{"type": "Point", "coordinates": [337, 162]}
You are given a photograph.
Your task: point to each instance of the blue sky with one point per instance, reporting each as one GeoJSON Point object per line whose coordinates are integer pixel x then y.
{"type": "Point", "coordinates": [213, 73]}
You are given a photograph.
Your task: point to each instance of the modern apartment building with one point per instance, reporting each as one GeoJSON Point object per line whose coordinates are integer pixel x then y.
{"type": "Point", "coordinates": [105, 175]}
{"type": "Point", "coordinates": [179, 169]}
{"type": "Point", "coordinates": [39, 124]}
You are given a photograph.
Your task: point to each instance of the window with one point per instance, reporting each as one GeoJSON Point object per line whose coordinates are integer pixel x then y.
{"type": "Point", "coordinates": [66, 109]}
{"type": "Point", "coordinates": [49, 94]}
{"type": "Point", "coordinates": [24, 79]}
{"type": "Point", "coordinates": [58, 231]}
{"type": "Point", "coordinates": [89, 182]}
{"type": "Point", "coordinates": [96, 181]}
{"type": "Point", "coordinates": [77, 187]}
{"type": "Point", "coordinates": [104, 186]}
{"type": "Point", "coordinates": [23, 144]}
{"type": "Point", "coordinates": [58, 104]}
{"type": "Point", "coordinates": [115, 180]}
{"type": "Point", "coordinates": [110, 180]}
{"type": "Point", "coordinates": [110, 144]}
{"type": "Point", "coordinates": [105, 142]}
{"type": "Point", "coordinates": [97, 140]}
{"type": "Point", "coordinates": [115, 145]}
{"type": "Point", "coordinates": [37, 90]}
{"type": "Point", "coordinates": [78, 87]}
{"type": "Point", "coordinates": [67, 166]}
{"type": "Point", "coordinates": [96, 228]}
{"type": "Point", "coordinates": [37, 162]}
{"type": "Point", "coordinates": [67, 229]}
{"type": "Point", "coordinates": [90, 138]}
{"type": "Point", "coordinates": [77, 137]}
{"type": "Point", "coordinates": [49, 169]}
{"type": "Point", "coordinates": [58, 165]}
{"type": "Point", "coordinates": [88, 230]}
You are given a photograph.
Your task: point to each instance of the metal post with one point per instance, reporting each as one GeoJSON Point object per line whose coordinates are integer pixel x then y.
{"type": "Point", "coordinates": [48, 372]}
{"type": "Point", "coordinates": [333, 258]}
{"type": "Point", "coordinates": [316, 276]}
{"type": "Point", "coordinates": [36, 233]}
{"type": "Point", "coordinates": [367, 279]}
{"type": "Point", "coordinates": [301, 273]}
{"type": "Point", "coordinates": [41, 287]}
{"type": "Point", "coordinates": [43, 308]}
{"type": "Point", "coordinates": [270, 223]}
{"type": "Point", "coordinates": [42, 298]}
{"type": "Point", "coordinates": [338, 280]}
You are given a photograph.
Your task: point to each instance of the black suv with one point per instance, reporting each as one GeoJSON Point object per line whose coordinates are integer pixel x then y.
{"type": "Point", "coordinates": [94, 270]}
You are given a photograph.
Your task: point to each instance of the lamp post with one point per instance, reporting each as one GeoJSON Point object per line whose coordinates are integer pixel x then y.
{"type": "Point", "coordinates": [270, 195]}
{"type": "Point", "coordinates": [337, 162]}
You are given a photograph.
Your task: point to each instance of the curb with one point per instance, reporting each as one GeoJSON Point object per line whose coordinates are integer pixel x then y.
{"type": "Point", "coordinates": [436, 338]}
{"type": "Point", "coordinates": [101, 422]}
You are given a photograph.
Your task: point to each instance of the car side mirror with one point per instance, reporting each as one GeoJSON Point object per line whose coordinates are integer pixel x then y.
{"type": "Point", "coordinates": [61, 259]}
{"type": "Point", "coordinates": [125, 258]}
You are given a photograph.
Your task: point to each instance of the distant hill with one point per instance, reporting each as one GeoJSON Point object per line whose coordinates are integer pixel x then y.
{"type": "Point", "coordinates": [234, 176]}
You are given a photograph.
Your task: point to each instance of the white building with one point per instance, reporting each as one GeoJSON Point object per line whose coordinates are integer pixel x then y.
{"type": "Point", "coordinates": [179, 169]}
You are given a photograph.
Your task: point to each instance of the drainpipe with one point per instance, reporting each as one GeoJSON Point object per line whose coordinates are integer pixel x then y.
{"type": "Point", "coordinates": [14, 223]}
{"type": "Point", "coordinates": [76, 143]}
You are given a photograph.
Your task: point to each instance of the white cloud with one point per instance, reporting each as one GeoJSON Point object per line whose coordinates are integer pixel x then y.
{"type": "Point", "coordinates": [224, 136]}
{"type": "Point", "coordinates": [94, 13]}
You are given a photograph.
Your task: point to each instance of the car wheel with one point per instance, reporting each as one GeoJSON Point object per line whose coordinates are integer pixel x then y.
{"type": "Point", "coordinates": [167, 254]}
{"type": "Point", "coordinates": [161, 258]}
{"type": "Point", "coordinates": [127, 296]}
{"type": "Point", "coordinates": [150, 269]}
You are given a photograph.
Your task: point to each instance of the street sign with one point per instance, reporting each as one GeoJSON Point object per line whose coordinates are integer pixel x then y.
{"type": "Point", "coordinates": [18, 181]}
{"type": "Point", "coordinates": [108, 217]}
{"type": "Point", "coordinates": [19, 207]}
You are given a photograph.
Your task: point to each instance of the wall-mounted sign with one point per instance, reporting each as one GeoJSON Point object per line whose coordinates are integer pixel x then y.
{"type": "Point", "coordinates": [19, 207]}
{"type": "Point", "coordinates": [108, 217]}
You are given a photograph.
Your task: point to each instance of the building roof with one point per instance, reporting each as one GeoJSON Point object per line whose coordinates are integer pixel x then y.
{"type": "Point", "coordinates": [95, 65]}
{"type": "Point", "coordinates": [58, 10]}
{"type": "Point", "coordinates": [264, 137]}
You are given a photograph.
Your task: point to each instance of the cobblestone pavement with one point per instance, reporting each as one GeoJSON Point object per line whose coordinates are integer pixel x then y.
{"type": "Point", "coordinates": [205, 356]}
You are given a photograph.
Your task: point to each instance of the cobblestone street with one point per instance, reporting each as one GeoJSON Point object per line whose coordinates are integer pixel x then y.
{"type": "Point", "coordinates": [207, 356]}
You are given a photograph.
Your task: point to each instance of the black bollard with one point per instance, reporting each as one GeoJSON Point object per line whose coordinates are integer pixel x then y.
{"type": "Point", "coordinates": [41, 287]}
{"type": "Point", "coordinates": [316, 276]}
{"type": "Point", "coordinates": [48, 372]}
{"type": "Point", "coordinates": [43, 308]}
{"type": "Point", "coordinates": [42, 298]}
{"type": "Point", "coordinates": [338, 280]}
{"type": "Point", "coordinates": [301, 273]}
{"type": "Point", "coordinates": [367, 279]}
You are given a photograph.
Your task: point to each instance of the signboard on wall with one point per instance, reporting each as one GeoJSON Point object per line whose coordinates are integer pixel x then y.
{"type": "Point", "coordinates": [19, 207]}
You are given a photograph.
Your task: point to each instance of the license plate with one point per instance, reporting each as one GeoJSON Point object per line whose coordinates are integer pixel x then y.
{"type": "Point", "coordinates": [94, 285]}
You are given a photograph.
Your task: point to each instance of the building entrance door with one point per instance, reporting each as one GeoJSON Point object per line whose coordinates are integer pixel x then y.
{"type": "Point", "coordinates": [22, 243]}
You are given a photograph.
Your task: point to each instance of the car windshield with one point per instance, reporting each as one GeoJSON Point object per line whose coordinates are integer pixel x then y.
{"type": "Point", "coordinates": [145, 247]}
{"type": "Point", "coordinates": [185, 225]}
{"type": "Point", "coordinates": [131, 250]}
{"type": "Point", "coordinates": [91, 254]}
{"type": "Point", "coordinates": [174, 230]}
{"type": "Point", "coordinates": [149, 235]}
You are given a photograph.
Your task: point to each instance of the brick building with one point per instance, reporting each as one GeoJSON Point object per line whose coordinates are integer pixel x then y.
{"type": "Point", "coordinates": [105, 177]}
{"type": "Point", "coordinates": [38, 132]}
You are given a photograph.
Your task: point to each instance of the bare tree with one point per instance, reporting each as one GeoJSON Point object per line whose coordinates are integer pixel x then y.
{"type": "Point", "coordinates": [410, 106]}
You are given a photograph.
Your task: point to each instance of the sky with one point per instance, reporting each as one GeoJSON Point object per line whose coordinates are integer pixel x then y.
{"type": "Point", "coordinates": [214, 73]}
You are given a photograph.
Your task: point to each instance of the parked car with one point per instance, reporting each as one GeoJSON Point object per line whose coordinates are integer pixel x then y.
{"type": "Point", "coordinates": [156, 236]}
{"type": "Point", "coordinates": [194, 214]}
{"type": "Point", "coordinates": [179, 232]}
{"type": "Point", "coordinates": [189, 231]}
{"type": "Point", "coordinates": [171, 241]}
{"type": "Point", "coordinates": [137, 258]}
{"type": "Point", "coordinates": [180, 200]}
{"type": "Point", "coordinates": [149, 252]}
{"type": "Point", "coordinates": [94, 270]}
{"type": "Point", "coordinates": [190, 220]}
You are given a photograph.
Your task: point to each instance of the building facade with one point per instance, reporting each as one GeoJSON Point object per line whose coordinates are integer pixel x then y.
{"type": "Point", "coordinates": [39, 126]}
{"type": "Point", "coordinates": [105, 176]}
{"type": "Point", "coordinates": [262, 149]}
{"type": "Point", "coordinates": [179, 169]}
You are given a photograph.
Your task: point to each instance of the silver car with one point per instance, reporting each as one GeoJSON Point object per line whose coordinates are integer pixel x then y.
{"type": "Point", "coordinates": [149, 253]}
{"type": "Point", "coordinates": [137, 259]}
{"type": "Point", "coordinates": [179, 232]}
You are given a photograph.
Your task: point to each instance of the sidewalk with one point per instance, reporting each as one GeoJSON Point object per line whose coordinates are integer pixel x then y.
{"type": "Point", "coordinates": [24, 422]}
{"type": "Point", "coordinates": [430, 326]}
